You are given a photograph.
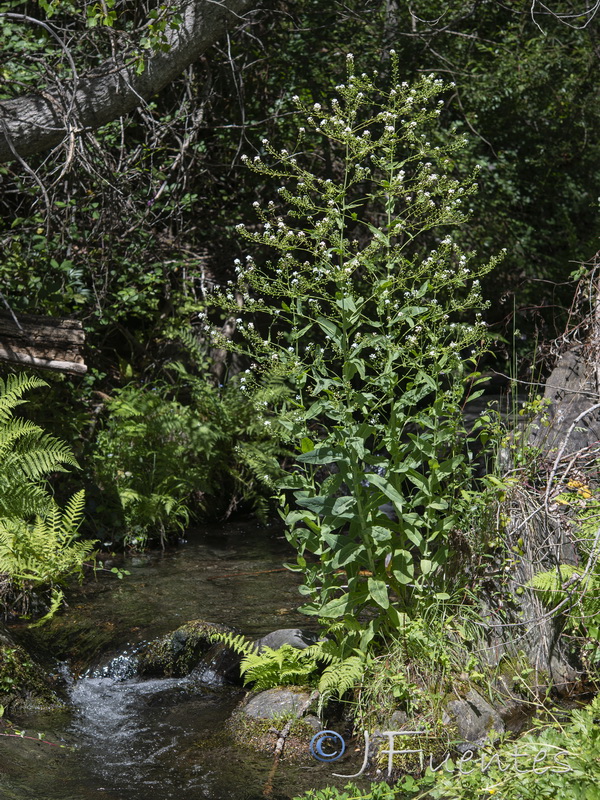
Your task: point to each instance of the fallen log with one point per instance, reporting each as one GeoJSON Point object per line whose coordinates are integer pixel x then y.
{"type": "Point", "coordinates": [43, 342]}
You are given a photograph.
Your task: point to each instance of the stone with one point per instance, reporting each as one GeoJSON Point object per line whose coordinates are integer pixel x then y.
{"type": "Point", "coordinates": [571, 421]}
{"type": "Point", "coordinates": [177, 653]}
{"type": "Point", "coordinates": [474, 718]}
{"type": "Point", "coordinates": [275, 703]}
{"type": "Point", "coordinates": [292, 636]}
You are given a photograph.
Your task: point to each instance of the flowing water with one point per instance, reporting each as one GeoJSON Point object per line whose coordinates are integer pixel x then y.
{"type": "Point", "coordinates": [130, 739]}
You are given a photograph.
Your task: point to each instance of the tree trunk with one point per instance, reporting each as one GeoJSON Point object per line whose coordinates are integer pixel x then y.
{"type": "Point", "coordinates": [35, 122]}
{"type": "Point", "coordinates": [44, 342]}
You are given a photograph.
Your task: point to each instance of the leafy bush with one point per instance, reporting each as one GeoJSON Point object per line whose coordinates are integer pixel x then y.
{"type": "Point", "coordinates": [369, 325]}
{"type": "Point", "coordinates": [555, 761]}
{"type": "Point", "coordinates": [27, 454]}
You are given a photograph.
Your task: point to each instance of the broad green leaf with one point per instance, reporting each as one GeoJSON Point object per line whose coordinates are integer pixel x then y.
{"type": "Point", "coordinates": [335, 608]}
{"type": "Point", "coordinates": [350, 552]}
{"type": "Point", "coordinates": [403, 568]}
{"type": "Point", "coordinates": [381, 482]}
{"type": "Point", "coordinates": [307, 445]}
{"type": "Point", "coordinates": [379, 534]}
{"type": "Point", "coordinates": [379, 592]}
{"type": "Point", "coordinates": [330, 329]}
{"type": "Point", "coordinates": [323, 454]}
{"type": "Point", "coordinates": [336, 509]}
{"type": "Point", "coordinates": [426, 566]}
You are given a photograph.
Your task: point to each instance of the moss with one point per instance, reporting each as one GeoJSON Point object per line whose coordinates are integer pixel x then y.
{"type": "Point", "coordinates": [23, 683]}
{"type": "Point", "coordinates": [262, 735]}
{"type": "Point", "coordinates": [177, 653]}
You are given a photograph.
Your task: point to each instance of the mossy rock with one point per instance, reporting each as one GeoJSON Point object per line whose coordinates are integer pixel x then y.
{"type": "Point", "coordinates": [258, 722]}
{"type": "Point", "coordinates": [176, 654]}
{"type": "Point", "coordinates": [24, 684]}
{"type": "Point", "coordinates": [429, 748]}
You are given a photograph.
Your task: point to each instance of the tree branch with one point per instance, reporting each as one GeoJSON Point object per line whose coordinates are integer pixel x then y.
{"type": "Point", "coordinates": [36, 122]}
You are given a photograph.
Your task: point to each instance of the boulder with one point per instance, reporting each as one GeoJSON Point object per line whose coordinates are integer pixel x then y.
{"type": "Point", "coordinates": [292, 636]}
{"type": "Point", "coordinates": [278, 702]}
{"type": "Point", "coordinates": [571, 423]}
{"type": "Point", "coordinates": [176, 654]}
{"type": "Point", "coordinates": [474, 717]}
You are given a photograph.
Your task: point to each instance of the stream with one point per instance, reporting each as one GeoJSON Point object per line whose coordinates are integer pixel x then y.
{"type": "Point", "coordinates": [125, 738]}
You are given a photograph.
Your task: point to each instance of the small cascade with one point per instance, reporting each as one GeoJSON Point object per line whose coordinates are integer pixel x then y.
{"type": "Point", "coordinates": [120, 668]}
{"type": "Point", "coordinates": [132, 736]}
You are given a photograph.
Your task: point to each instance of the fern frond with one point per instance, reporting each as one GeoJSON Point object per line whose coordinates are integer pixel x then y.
{"type": "Point", "coordinates": [234, 641]}
{"type": "Point", "coordinates": [282, 667]}
{"type": "Point", "coordinates": [11, 391]}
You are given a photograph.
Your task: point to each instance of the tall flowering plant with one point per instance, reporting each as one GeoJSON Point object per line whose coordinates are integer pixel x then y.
{"type": "Point", "coordinates": [378, 330]}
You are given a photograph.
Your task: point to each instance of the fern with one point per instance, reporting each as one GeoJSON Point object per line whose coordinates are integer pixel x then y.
{"type": "Point", "coordinates": [38, 541]}
{"type": "Point", "coordinates": [27, 454]}
{"type": "Point", "coordinates": [581, 593]}
{"type": "Point", "coordinates": [234, 641]}
{"type": "Point", "coordinates": [45, 552]}
{"type": "Point", "coordinates": [282, 667]}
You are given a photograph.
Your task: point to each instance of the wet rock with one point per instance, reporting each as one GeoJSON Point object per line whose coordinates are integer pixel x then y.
{"type": "Point", "coordinates": [474, 717]}
{"type": "Point", "coordinates": [176, 654]}
{"type": "Point", "coordinates": [219, 665]}
{"type": "Point", "coordinates": [24, 684]}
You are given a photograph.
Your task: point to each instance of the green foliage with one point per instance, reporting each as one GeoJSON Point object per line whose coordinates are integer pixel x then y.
{"type": "Point", "coordinates": [554, 761]}
{"type": "Point", "coordinates": [45, 551]}
{"type": "Point", "coordinates": [38, 546]}
{"type": "Point", "coordinates": [170, 452]}
{"type": "Point", "coordinates": [378, 791]}
{"type": "Point", "coordinates": [146, 452]}
{"type": "Point", "coordinates": [300, 667]}
{"type": "Point", "coordinates": [574, 592]}
{"type": "Point", "coordinates": [370, 326]}
{"type": "Point", "coordinates": [234, 641]}
{"type": "Point", "coordinates": [27, 453]}
{"type": "Point", "coordinates": [282, 667]}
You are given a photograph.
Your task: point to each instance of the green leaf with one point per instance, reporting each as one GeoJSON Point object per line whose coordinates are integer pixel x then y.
{"type": "Point", "coordinates": [336, 509]}
{"type": "Point", "coordinates": [426, 566]}
{"type": "Point", "coordinates": [381, 482]}
{"type": "Point", "coordinates": [335, 608]}
{"type": "Point", "coordinates": [330, 329]}
{"type": "Point", "coordinates": [379, 592]}
{"type": "Point", "coordinates": [324, 454]}
{"type": "Point", "coordinates": [403, 568]}
{"type": "Point", "coordinates": [349, 553]}
{"type": "Point", "coordinates": [379, 534]}
{"type": "Point", "coordinates": [306, 445]}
